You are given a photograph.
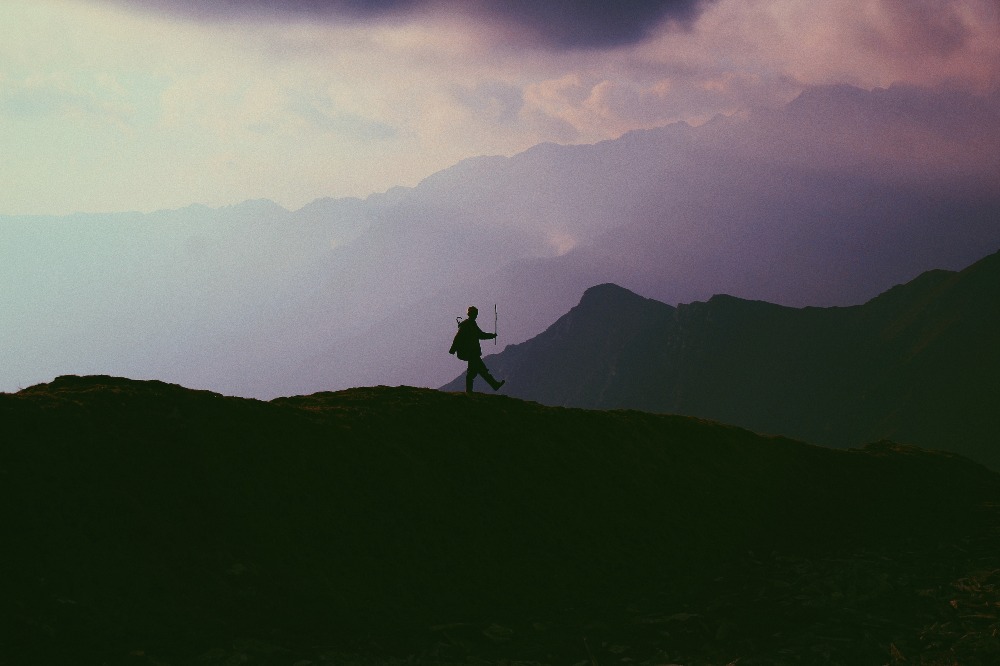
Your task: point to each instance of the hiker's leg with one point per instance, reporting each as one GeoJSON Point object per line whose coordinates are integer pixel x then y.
{"type": "Point", "coordinates": [470, 375]}
{"type": "Point", "coordinates": [494, 384]}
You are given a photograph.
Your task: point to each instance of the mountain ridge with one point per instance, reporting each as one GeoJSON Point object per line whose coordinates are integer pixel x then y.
{"type": "Point", "coordinates": [913, 363]}
{"type": "Point", "coordinates": [817, 206]}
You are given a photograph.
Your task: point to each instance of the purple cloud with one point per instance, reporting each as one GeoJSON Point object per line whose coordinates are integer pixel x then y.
{"type": "Point", "coordinates": [561, 24]}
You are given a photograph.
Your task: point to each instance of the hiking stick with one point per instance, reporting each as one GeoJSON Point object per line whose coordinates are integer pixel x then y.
{"type": "Point", "coordinates": [494, 324]}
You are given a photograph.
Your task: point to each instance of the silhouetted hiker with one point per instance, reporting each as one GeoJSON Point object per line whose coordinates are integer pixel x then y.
{"type": "Point", "coordinates": [466, 347]}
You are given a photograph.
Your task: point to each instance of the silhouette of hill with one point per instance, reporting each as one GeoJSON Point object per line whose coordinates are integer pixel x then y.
{"type": "Point", "coordinates": [146, 523]}
{"type": "Point", "coordinates": [916, 364]}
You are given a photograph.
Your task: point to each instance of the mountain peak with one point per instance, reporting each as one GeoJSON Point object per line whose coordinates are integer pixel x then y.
{"type": "Point", "coordinates": [256, 206]}
{"type": "Point", "coordinates": [611, 302]}
{"type": "Point", "coordinates": [609, 291]}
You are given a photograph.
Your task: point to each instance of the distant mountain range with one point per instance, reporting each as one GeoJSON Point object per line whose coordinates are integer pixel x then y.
{"type": "Point", "coordinates": [827, 201]}
{"type": "Point", "coordinates": [918, 364]}
{"type": "Point", "coordinates": [146, 523]}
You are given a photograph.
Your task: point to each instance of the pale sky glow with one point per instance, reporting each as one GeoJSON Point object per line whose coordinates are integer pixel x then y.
{"type": "Point", "coordinates": [106, 108]}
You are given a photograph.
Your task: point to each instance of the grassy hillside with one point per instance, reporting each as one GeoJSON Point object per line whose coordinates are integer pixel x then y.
{"type": "Point", "coordinates": [147, 523]}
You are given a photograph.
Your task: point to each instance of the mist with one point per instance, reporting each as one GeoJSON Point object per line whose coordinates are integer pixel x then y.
{"type": "Point", "coordinates": [828, 201]}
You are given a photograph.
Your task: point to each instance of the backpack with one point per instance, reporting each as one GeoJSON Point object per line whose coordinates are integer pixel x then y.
{"type": "Point", "coordinates": [464, 343]}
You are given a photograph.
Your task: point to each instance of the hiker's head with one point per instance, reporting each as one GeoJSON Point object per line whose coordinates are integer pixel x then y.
{"type": "Point", "coordinates": [473, 312]}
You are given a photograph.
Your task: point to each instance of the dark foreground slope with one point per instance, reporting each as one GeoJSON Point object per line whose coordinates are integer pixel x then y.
{"type": "Point", "coordinates": [146, 523]}
{"type": "Point", "coordinates": [918, 364]}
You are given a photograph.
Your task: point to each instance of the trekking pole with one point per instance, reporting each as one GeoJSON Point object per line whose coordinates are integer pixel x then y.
{"type": "Point", "coordinates": [494, 324]}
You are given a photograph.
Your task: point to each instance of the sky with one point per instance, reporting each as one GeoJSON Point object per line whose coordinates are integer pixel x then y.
{"type": "Point", "coordinates": [142, 105]}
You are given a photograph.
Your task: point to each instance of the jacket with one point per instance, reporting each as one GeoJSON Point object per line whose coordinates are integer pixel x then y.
{"type": "Point", "coordinates": [466, 342]}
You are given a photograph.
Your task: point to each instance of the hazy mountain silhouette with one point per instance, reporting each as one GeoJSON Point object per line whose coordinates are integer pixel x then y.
{"type": "Point", "coordinates": [916, 364]}
{"type": "Point", "coordinates": [147, 523]}
{"type": "Point", "coordinates": [823, 203]}
{"type": "Point", "coordinates": [828, 201]}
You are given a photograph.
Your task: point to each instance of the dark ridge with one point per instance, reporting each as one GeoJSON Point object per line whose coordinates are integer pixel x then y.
{"type": "Point", "coordinates": [148, 523]}
{"type": "Point", "coordinates": [607, 292]}
{"type": "Point", "coordinates": [917, 364]}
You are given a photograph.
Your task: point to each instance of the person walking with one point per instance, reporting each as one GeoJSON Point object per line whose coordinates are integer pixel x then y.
{"type": "Point", "coordinates": [466, 347]}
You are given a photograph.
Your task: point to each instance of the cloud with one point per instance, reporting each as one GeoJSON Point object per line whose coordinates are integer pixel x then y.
{"type": "Point", "coordinates": [555, 24]}
{"type": "Point", "coordinates": [282, 9]}
{"type": "Point", "coordinates": [869, 43]}
{"type": "Point", "coordinates": [914, 27]}
{"type": "Point", "coordinates": [39, 98]}
{"type": "Point", "coordinates": [309, 99]}
{"type": "Point", "coordinates": [321, 114]}
{"type": "Point", "coordinates": [957, 39]}
{"type": "Point", "coordinates": [495, 100]}
{"type": "Point", "coordinates": [591, 23]}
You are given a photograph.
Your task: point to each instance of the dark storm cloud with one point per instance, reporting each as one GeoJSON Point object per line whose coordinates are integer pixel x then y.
{"type": "Point", "coordinates": [590, 23]}
{"type": "Point", "coordinates": [553, 23]}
